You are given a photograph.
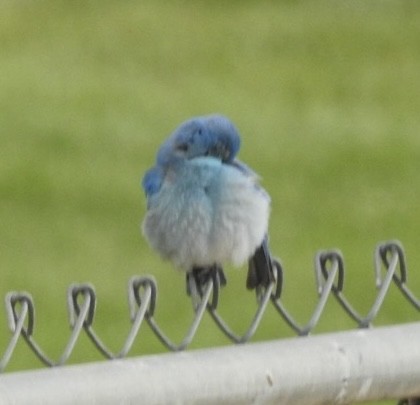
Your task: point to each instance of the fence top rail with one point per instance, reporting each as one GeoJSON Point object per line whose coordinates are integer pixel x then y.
{"type": "Point", "coordinates": [336, 368]}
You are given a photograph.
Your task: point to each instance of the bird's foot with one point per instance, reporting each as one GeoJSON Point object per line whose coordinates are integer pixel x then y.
{"type": "Point", "coordinates": [197, 280]}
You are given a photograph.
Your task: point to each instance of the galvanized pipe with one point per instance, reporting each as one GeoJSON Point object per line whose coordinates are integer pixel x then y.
{"type": "Point", "coordinates": [336, 368]}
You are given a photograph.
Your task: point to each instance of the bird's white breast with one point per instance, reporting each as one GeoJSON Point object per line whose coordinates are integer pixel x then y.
{"type": "Point", "coordinates": [207, 212]}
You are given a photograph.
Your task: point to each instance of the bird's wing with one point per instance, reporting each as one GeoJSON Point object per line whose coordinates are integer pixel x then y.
{"type": "Point", "coordinates": [245, 169]}
{"type": "Point", "coordinates": [152, 182]}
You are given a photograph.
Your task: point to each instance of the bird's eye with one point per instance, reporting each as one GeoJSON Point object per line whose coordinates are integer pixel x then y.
{"type": "Point", "coordinates": [182, 147]}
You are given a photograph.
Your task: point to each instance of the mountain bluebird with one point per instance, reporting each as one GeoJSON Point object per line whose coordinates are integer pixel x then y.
{"type": "Point", "coordinates": [205, 207]}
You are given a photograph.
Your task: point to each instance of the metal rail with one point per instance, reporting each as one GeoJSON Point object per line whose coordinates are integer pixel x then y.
{"type": "Point", "coordinates": [337, 368]}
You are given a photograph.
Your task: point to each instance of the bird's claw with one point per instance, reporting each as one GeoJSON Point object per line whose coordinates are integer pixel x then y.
{"type": "Point", "coordinates": [197, 280]}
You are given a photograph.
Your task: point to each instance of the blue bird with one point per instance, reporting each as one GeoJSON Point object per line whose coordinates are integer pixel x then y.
{"type": "Point", "coordinates": [205, 207]}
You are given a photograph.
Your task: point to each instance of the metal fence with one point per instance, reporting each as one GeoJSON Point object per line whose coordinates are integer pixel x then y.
{"type": "Point", "coordinates": [390, 268]}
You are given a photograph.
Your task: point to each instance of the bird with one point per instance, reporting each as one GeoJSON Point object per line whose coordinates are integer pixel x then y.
{"type": "Point", "coordinates": [205, 207]}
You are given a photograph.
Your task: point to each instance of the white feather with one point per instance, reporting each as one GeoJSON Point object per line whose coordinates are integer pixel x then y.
{"type": "Point", "coordinates": [207, 212]}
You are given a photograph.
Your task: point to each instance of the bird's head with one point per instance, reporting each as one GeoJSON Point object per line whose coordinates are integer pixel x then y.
{"type": "Point", "coordinates": [224, 139]}
{"type": "Point", "coordinates": [213, 135]}
{"type": "Point", "coordinates": [188, 141]}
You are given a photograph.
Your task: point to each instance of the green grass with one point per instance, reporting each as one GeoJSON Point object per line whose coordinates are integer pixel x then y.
{"type": "Point", "coordinates": [327, 98]}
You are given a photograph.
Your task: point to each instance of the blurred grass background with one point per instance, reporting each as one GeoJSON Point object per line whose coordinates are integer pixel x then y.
{"type": "Point", "coordinates": [325, 94]}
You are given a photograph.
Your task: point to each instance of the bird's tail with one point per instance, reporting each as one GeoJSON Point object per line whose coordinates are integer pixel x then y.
{"type": "Point", "coordinates": [260, 268]}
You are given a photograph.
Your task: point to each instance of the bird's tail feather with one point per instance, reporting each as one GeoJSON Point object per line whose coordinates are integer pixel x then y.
{"type": "Point", "coordinates": [260, 268]}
